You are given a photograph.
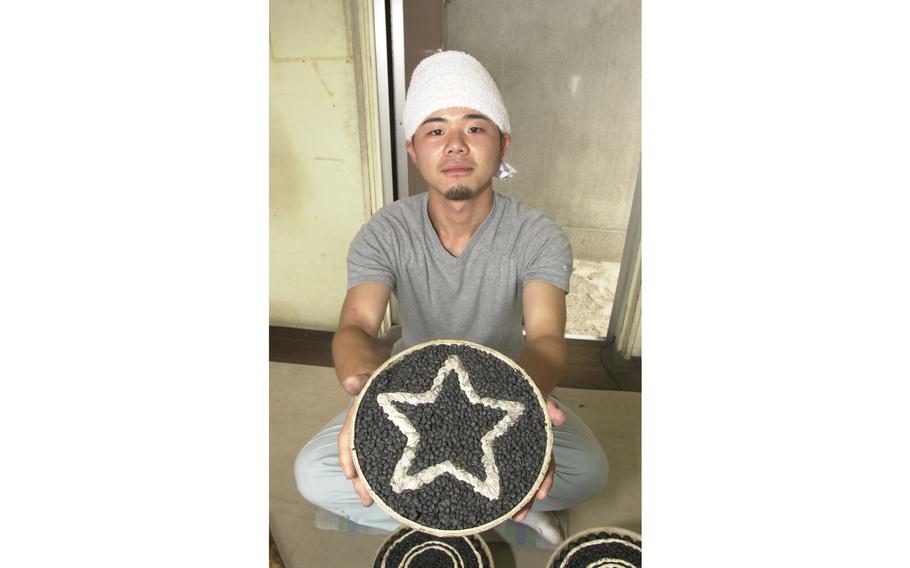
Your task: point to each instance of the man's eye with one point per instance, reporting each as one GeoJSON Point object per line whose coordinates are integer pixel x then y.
{"type": "Point", "coordinates": [435, 132]}
{"type": "Point", "coordinates": [475, 129]}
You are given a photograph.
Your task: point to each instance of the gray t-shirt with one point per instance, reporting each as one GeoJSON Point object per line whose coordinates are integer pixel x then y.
{"type": "Point", "coordinates": [475, 296]}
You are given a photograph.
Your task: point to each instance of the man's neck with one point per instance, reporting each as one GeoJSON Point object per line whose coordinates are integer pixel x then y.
{"type": "Point", "coordinates": [458, 219]}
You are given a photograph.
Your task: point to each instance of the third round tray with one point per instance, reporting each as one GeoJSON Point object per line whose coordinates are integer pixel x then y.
{"type": "Point", "coordinates": [603, 547]}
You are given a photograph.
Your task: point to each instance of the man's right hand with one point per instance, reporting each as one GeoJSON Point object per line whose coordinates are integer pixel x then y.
{"type": "Point", "coordinates": [345, 458]}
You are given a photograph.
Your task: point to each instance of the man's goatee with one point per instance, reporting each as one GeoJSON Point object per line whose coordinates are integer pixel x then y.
{"type": "Point", "coordinates": [459, 193]}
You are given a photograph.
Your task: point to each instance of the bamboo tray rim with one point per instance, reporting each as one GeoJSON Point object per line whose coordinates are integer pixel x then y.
{"type": "Point", "coordinates": [495, 522]}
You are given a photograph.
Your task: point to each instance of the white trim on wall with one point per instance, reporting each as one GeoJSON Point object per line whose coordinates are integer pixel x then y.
{"type": "Point", "coordinates": [625, 321]}
{"type": "Point", "coordinates": [370, 41]}
{"type": "Point", "coordinates": [396, 8]}
{"type": "Point", "coordinates": [380, 49]}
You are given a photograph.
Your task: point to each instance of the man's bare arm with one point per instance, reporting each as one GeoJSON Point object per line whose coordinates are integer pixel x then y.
{"type": "Point", "coordinates": [354, 346]}
{"type": "Point", "coordinates": [356, 357]}
{"type": "Point", "coordinates": [544, 354]}
{"type": "Point", "coordinates": [544, 358]}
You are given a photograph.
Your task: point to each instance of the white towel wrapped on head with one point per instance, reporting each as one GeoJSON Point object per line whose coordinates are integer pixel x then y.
{"type": "Point", "coordinates": [454, 79]}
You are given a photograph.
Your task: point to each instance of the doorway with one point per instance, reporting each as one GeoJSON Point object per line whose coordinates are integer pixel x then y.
{"type": "Point", "coordinates": [571, 79]}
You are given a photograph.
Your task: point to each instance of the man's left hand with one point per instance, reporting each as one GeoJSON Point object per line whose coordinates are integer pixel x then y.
{"type": "Point", "coordinates": [557, 417]}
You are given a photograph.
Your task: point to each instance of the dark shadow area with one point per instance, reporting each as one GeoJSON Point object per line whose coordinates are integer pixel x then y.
{"type": "Point", "coordinates": [503, 557]}
{"type": "Point", "coordinates": [590, 364]}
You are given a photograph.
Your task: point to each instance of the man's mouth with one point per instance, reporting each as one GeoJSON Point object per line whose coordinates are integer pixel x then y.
{"type": "Point", "coordinates": [457, 169]}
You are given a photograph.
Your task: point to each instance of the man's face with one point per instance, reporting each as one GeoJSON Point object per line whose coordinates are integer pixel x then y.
{"type": "Point", "coordinates": [457, 151]}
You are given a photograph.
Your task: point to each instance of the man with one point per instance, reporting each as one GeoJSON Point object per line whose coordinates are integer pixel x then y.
{"type": "Point", "coordinates": [466, 263]}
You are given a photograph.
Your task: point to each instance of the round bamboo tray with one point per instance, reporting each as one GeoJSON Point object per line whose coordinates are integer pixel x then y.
{"type": "Point", "coordinates": [614, 548]}
{"type": "Point", "coordinates": [404, 547]}
{"type": "Point", "coordinates": [533, 416]}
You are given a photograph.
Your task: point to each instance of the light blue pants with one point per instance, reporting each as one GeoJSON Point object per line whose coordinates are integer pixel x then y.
{"type": "Point", "coordinates": [581, 473]}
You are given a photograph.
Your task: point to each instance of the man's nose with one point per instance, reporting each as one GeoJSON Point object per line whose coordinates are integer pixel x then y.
{"type": "Point", "coordinates": [455, 144]}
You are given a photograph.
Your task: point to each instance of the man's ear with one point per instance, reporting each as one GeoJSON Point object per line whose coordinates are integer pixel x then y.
{"type": "Point", "coordinates": [504, 141]}
{"type": "Point", "coordinates": [409, 146]}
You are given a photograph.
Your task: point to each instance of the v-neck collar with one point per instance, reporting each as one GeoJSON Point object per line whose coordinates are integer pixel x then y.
{"type": "Point", "coordinates": [438, 249]}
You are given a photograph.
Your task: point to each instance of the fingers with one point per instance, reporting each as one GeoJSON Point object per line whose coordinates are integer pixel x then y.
{"type": "Point", "coordinates": [346, 460]}
{"type": "Point", "coordinates": [362, 492]}
{"type": "Point", "coordinates": [541, 493]}
{"type": "Point", "coordinates": [522, 513]}
{"type": "Point", "coordinates": [557, 416]}
{"type": "Point", "coordinates": [344, 448]}
{"type": "Point", "coordinates": [547, 482]}
{"type": "Point", "coordinates": [347, 464]}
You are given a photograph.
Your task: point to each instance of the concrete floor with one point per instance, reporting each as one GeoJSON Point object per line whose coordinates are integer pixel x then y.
{"type": "Point", "coordinates": [303, 398]}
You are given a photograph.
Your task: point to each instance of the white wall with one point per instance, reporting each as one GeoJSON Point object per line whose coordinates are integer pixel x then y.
{"type": "Point", "coordinates": [570, 75]}
{"type": "Point", "coordinates": [316, 195]}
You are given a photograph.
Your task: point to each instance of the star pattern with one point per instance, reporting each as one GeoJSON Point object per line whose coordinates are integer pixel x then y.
{"type": "Point", "coordinates": [450, 429]}
{"type": "Point", "coordinates": [402, 480]}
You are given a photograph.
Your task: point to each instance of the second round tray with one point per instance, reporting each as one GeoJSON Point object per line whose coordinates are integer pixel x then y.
{"type": "Point", "coordinates": [451, 437]}
{"type": "Point", "coordinates": [409, 548]}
